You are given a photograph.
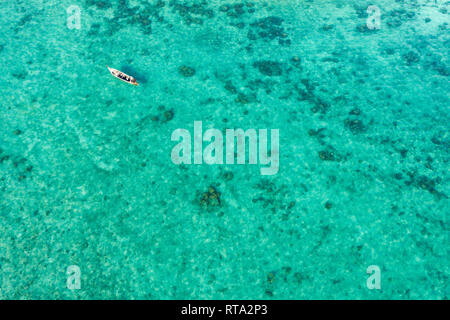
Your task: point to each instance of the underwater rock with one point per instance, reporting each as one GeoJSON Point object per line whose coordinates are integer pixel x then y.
{"type": "Point", "coordinates": [403, 152]}
{"type": "Point", "coordinates": [355, 126]}
{"type": "Point", "coordinates": [426, 183]}
{"type": "Point", "coordinates": [142, 15]}
{"type": "Point", "coordinates": [443, 26]}
{"type": "Point", "coordinates": [208, 101]}
{"type": "Point", "coordinates": [3, 157]}
{"type": "Point", "coordinates": [271, 277]}
{"type": "Point", "coordinates": [327, 27]}
{"type": "Point", "coordinates": [304, 95]}
{"type": "Point", "coordinates": [320, 106]}
{"type": "Point", "coordinates": [100, 4]}
{"type": "Point", "coordinates": [230, 87]}
{"type": "Point", "coordinates": [255, 85]}
{"type": "Point", "coordinates": [314, 133]}
{"type": "Point", "coordinates": [268, 29]}
{"type": "Point", "coordinates": [269, 68]}
{"type": "Point", "coordinates": [330, 59]}
{"type": "Point", "coordinates": [211, 198]}
{"type": "Point", "coordinates": [186, 71]}
{"type": "Point", "coordinates": [441, 142]}
{"type": "Point", "coordinates": [439, 66]}
{"type": "Point", "coordinates": [112, 26]}
{"type": "Point", "coordinates": [192, 14]}
{"type": "Point", "coordinates": [270, 26]}
{"type": "Point", "coordinates": [398, 176]}
{"type": "Point", "coordinates": [296, 61]}
{"type": "Point", "coordinates": [234, 11]}
{"type": "Point", "coordinates": [355, 112]}
{"type": "Point", "coordinates": [326, 155]}
{"type": "Point", "coordinates": [388, 51]}
{"type": "Point", "coordinates": [328, 205]}
{"type": "Point", "coordinates": [275, 198]}
{"type": "Point", "coordinates": [24, 20]}
{"type": "Point", "coordinates": [245, 98]}
{"type": "Point", "coordinates": [361, 11]}
{"type": "Point", "coordinates": [144, 21]}
{"type": "Point", "coordinates": [165, 115]}
{"type": "Point", "coordinates": [22, 74]}
{"type": "Point", "coordinates": [251, 35]}
{"type": "Point", "coordinates": [20, 164]}
{"type": "Point", "coordinates": [238, 8]}
{"type": "Point", "coordinates": [94, 30]}
{"type": "Point", "coordinates": [299, 277]}
{"type": "Point", "coordinates": [168, 115]}
{"type": "Point", "coordinates": [362, 28]}
{"type": "Point", "coordinates": [269, 293]}
{"type": "Point", "coordinates": [283, 42]}
{"type": "Point", "coordinates": [411, 58]}
{"type": "Point", "coordinates": [309, 85]}
{"type": "Point", "coordinates": [224, 8]}
{"type": "Point", "coordinates": [124, 11]}
{"type": "Point", "coordinates": [395, 18]}
{"type": "Point", "coordinates": [240, 25]}
{"type": "Point", "coordinates": [228, 176]}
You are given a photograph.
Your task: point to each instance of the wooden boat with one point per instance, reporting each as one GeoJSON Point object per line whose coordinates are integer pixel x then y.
{"type": "Point", "coordinates": [122, 76]}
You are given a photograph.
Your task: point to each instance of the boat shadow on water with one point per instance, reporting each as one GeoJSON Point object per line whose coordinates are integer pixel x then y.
{"type": "Point", "coordinates": [139, 76]}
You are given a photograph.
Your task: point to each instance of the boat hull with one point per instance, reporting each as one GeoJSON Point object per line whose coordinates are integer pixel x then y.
{"type": "Point", "coordinates": [122, 76]}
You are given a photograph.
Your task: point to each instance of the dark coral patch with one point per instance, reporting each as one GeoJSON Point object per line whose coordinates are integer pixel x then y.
{"type": "Point", "coordinates": [269, 68]}
{"type": "Point", "coordinates": [396, 18]}
{"type": "Point", "coordinates": [326, 155]}
{"type": "Point", "coordinates": [186, 71]}
{"type": "Point", "coordinates": [268, 29]}
{"type": "Point", "coordinates": [411, 58]}
{"type": "Point", "coordinates": [210, 198]}
{"type": "Point", "coordinates": [194, 13]}
{"type": "Point", "coordinates": [356, 126]}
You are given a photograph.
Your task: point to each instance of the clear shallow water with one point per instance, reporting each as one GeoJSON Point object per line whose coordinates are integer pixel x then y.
{"type": "Point", "coordinates": [87, 178]}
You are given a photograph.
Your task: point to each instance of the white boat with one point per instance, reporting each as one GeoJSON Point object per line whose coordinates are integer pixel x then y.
{"type": "Point", "coordinates": [122, 76]}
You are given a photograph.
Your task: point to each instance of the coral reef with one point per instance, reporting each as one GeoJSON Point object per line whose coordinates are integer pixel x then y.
{"type": "Point", "coordinates": [211, 198]}
{"type": "Point", "coordinates": [186, 71]}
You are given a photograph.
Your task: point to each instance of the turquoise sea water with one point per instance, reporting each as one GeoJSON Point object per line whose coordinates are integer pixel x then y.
{"type": "Point", "coordinates": [86, 176]}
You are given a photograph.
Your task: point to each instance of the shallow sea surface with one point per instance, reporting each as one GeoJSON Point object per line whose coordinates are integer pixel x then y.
{"type": "Point", "coordinates": [86, 176]}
